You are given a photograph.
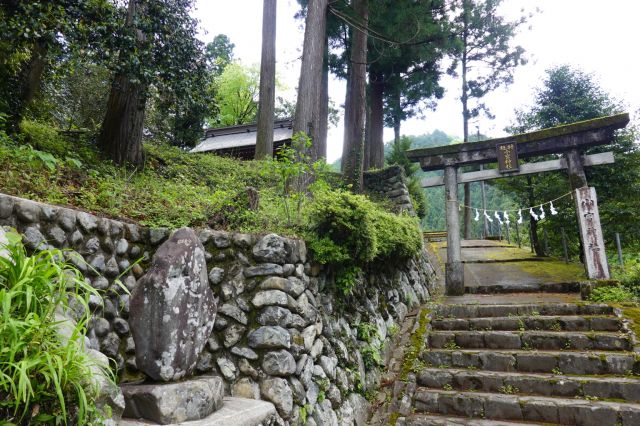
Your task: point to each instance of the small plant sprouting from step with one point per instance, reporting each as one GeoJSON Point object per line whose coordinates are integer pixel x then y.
{"type": "Point", "coordinates": [451, 344]}
{"type": "Point", "coordinates": [591, 398]}
{"type": "Point", "coordinates": [556, 326]}
{"type": "Point", "coordinates": [556, 371]}
{"type": "Point", "coordinates": [568, 345]}
{"type": "Point", "coordinates": [535, 313]}
{"type": "Point", "coordinates": [526, 345]}
{"type": "Point", "coordinates": [521, 325]}
{"type": "Point", "coordinates": [508, 390]}
{"type": "Point", "coordinates": [447, 387]}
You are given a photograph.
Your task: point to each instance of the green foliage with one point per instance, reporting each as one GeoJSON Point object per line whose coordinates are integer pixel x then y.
{"type": "Point", "coordinates": [44, 137]}
{"type": "Point", "coordinates": [236, 95]}
{"type": "Point", "coordinates": [44, 378]}
{"type": "Point", "coordinates": [349, 232]}
{"type": "Point", "coordinates": [569, 95]}
{"type": "Point", "coordinates": [485, 51]}
{"type": "Point", "coordinates": [219, 54]}
{"type": "Point", "coordinates": [367, 331]}
{"type": "Point", "coordinates": [363, 230]}
{"type": "Point", "coordinates": [295, 169]}
{"type": "Point", "coordinates": [347, 278]}
{"type": "Point", "coordinates": [371, 356]}
{"type": "Point", "coordinates": [610, 294]}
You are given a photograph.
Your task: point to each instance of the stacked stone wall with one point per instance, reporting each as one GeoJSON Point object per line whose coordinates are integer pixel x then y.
{"type": "Point", "coordinates": [281, 333]}
{"type": "Point", "coordinates": [390, 183]}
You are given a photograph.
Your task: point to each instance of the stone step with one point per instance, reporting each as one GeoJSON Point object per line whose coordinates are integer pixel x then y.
{"type": "Point", "coordinates": [526, 309]}
{"type": "Point", "coordinates": [557, 362]}
{"type": "Point", "coordinates": [621, 388]}
{"type": "Point", "coordinates": [566, 287]}
{"type": "Point", "coordinates": [553, 322]}
{"type": "Point", "coordinates": [434, 420]}
{"type": "Point", "coordinates": [527, 408]}
{"type": "Point", "coordinates": [546, 340]}
{"type": "Point", "coordinates": [234, 411]}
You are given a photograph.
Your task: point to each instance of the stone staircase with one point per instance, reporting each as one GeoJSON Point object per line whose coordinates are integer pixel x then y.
{"type": "Point", "coordinates": [525, 363]}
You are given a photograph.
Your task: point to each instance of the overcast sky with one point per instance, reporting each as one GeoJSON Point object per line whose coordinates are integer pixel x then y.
{"type": "Point", "coordinates": [595, 36]}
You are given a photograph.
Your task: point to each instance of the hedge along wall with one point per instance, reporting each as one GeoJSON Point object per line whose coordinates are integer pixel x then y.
{"type": "Point", "coordinates": [281, 333]}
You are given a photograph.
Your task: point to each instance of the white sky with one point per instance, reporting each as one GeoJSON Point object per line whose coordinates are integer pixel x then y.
{"type": "Point", "coordinates": [595, 36]}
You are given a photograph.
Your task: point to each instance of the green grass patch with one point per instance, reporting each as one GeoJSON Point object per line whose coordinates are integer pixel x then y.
{"type": "Point", "coordinates": [45, 378]}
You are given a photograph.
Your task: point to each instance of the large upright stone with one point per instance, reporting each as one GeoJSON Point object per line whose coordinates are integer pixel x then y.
{"type": "Point", "coordinates": [172, 308]}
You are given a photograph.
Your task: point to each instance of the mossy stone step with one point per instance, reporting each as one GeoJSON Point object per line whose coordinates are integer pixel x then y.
{"type": "Point", "coordinates": [558, 362]}
{"type": "Point", "coordinates": [526, 408]}
{"type": "Point", "coordinates": [546, 340]}
{"type": "Point", "coordinates": [434, 420]}
{"type": "Point", "coordinates": [527, 309]}
{"type": "Point", "coordinates": [566, 287]}
{"type": "Point", "coordinates": [553, 322]}
{"type": "Point", "coordinates": [619, 388]}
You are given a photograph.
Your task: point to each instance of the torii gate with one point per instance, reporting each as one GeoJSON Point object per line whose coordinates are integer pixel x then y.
{"type": "Point", "coordinates": [569, 141]}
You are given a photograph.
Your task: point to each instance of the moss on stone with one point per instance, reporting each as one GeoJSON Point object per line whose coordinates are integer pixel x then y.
{"type": "Point", "coordinates": [412, 352]}
{"type": "Point", "coordinates": [614, 122]}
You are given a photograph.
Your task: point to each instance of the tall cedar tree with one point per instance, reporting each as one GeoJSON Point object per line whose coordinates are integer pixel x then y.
{"type": "Point", "coordinates": [355, 99]}
{"type": "Point", "coordinates": [486, 61]}
{"type": "Point", "coordinates": [32, 33]}
{"type": "Point", "coordinates": [307, 115]}
{"type": "Point", "coordinates": [266, 102]}
{"type": "Point", "coordinates": [403, 65]}
{"type": "Point", "coordinates": [157, 45]}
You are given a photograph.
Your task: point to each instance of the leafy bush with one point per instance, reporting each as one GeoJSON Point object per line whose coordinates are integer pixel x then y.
{"type": "Point", "coordinates": [350, 228]}
{"type": "Point", "coordinates": [349, 232]}
{"type": "Point", "coordinates": [44, 137]}
{"type": "Point", "coordinates": [610, 294]}
{"type": "Point", "coordinates": [44, 377]}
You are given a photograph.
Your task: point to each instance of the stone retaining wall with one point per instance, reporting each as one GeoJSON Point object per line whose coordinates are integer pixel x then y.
{"type": "Point", "coordinates": [390, 183]}
{"type": "Point", "coordinates": [281, 333]}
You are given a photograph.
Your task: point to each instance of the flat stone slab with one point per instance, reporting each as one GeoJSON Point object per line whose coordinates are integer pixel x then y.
{"type": "Point", "coordinates": [620, 388]}
{"type": "Point", "coordinates": [433, 420]}
{"type": "Point", "coordinates": [502, 266]}
{"type": "Point", "coordinates": [234, 412]}
{"type": "Point", "coordinates": [168, 403]}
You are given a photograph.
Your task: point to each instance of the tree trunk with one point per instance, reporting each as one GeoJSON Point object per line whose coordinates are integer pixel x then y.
{"type": "Point", "coordinates": [397, 121]}
{"type": "Point", "coordinates": [28, 82]}
{"type": "Point", "coordinates": [376, 127]}
{"type": "Point", "coordinates": [465, 117]}
{"type": "Point", "coordinates": [354, 116]}
{"type": "Point", "coordinates": [366, 156]}
{"type": "Point", "coordinates": [266, 103]}
{"type": "Point", "coordinates": [308, 103]}
{"type": "Point", "coordinates": [533, 224]}
{"type": "Point", "coordinates": [121, 133]}
{"type": "Point", "coordinates": [323, 112]}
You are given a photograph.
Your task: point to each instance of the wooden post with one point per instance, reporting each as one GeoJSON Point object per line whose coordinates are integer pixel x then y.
{"type": "Point", "coordinates": [518, 235]}
{"type": "Point", "coordinates": [564, 246]}
{"type": "Point", "coordinates": [595, 258]}
{"type": "Point", "coordinates": [454, 275]}
{"type": "Point", "coordinates": [508, 234]}
{"type": "Point", "coordinates": [546, 241]}
{"type": "Point", "coordinates": [619, 247]}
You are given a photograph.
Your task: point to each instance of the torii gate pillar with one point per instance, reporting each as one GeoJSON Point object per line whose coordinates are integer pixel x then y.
{"type": "Point", "coordinates": [593, 252]}
{"type": "Point", "coordinates": [454, 269]}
